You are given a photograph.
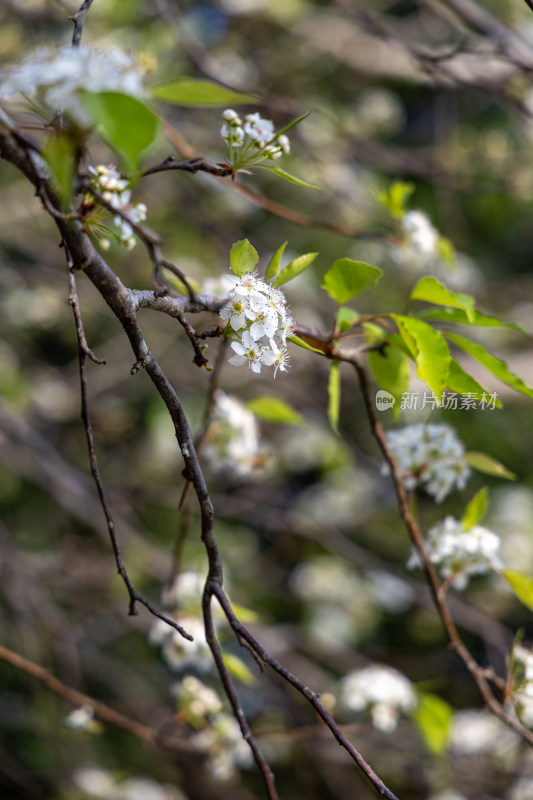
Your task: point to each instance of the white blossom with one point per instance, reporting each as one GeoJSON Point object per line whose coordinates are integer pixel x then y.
{"type": "Point", "coordinates": [81, 719]}
{"type": "Point", "coordinates": [233, 445]}
{"type": "Point", "coordinates": [420, 232]}
{"type": "Point", "coordinates": [196, 699]}
{"type": "Point", "coordinates": [257, 314]}
{"type": "Point", "coordinates": [253, 142]}
{"type": "Point", "coordinates": [474, 731]}
{"type": "Point", "coordinates": [259, 129]}
{"type": "Point", "coordinates": [430, 456]}
{"type": "Point", "coordinates": [383, 691]}
{"type": "Point", "coordinates": [460, 553]}
{"type": "Point", "coordinates": [108, 181]}
{"type": "Point", "coordinates": [58, 76]}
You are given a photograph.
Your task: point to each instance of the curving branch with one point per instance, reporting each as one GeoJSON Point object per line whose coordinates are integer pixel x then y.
{"type": "Point", "coordinates": [79, 20]}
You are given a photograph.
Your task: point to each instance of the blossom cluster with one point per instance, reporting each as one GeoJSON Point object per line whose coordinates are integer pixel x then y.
{"type": "Point", "coordinates": [233, 444]}
{"type": "Point", "coordinates": [57, 77]}
{"type": "Point", "coordinates": [459, 553]}
{"type": "Point", "coordinates": [382, 690]}
{"type": "Point", "coordinates": [253, 141]}
{"type": "Point", "coordinates": [419, 245]}
{"type": "Point", "coordinates": [429, 456]}
{"type": "Point", "coordinates": [257, 315]}
{"type": "Point", "coordinates": [108, 181]}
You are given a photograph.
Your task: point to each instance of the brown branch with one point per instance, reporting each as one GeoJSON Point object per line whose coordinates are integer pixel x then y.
{"type": "Point", "coordinates": [104, 712]}
{"type": "Point", "coordinates": [134, 595]}
{"type": "Point", "coordinates": [79, 19]}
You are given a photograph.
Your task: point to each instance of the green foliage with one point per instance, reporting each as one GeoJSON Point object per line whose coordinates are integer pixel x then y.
{"type": "Point", "coordinates": [476, 509]}
{"type": "Point", "coordinates": [127, 124]}
{"type": "Point", "coordinates": [59, 153]}
{"type": "Point", "coordinates": [433, 291]}
{"type": "Point", "coordinates": [521, 584]}
{"type": "Point", "coordinates": [461, 382]}
{"type": "Point", "coordinates": [446, 251]}
{"type": "Point", "coordinates": [273, 409]}
{"type": "Point", "coordinates": [275, 262]}
{"type": "Point", "coordinates": [238, 669]}
{"type": "Point", "coordinates": [495, 365]}
{"type": "Point", "coordinates": [242, 258]}
{"type": "Point", "coordinates": [300, 342]}
{"type": "Point", "coordinates": [294, 268]}
{"type": "Point", "coordinates": [488, 465]}
{"type": "Point", "coordinates": [396, 197]}
{"type": "Point", "coordinates": [345, 318]}
{"type": "Point", "coordinates": [475, 318]}
{"type": "Point", "coordinates": [334, 395]}
{"type": "Point", "coordinates": [390, 368]}
{"type": "Point", "coordinates": [433, 717]}
{"type": "Point", "coordinates": [198, 92]}
{"type": "Point", "coordinates": [429, 350]}
{"type": "Point", "coordinates": [291, 178]}
{"type": "Point", "coordinates": [346, 279]}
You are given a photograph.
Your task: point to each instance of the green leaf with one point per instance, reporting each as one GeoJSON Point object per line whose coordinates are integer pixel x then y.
{"type": "Point", "coordinates": [291, 125]}
{"type": "Point", "coordinates": [238, 669]}
{"type": "Point", "coordinates": [345, 318]}
{"type": "Point", "coordinates": [198, 92]}
{"type": "Point", "coordinates": [292, 178]}
{"type": "Point", "coordinates": [521, 584]}
{"type": "Point", "coordinates": [433, 291]}
{"type": "Point", "coordinates": [127, 124]}
{"type": "Point", "coordinates": [477, 318]}
{"type": "Point", "coordinates": [495, 365]}
{"type": "Point", "coordinates": [347, 278]}
{"type": "Point", "coordinates": [488, 465]}
{"type": "Point", "coordinates": [300, 342]}
{"type": "Point", "coordinates": [334, 394]}
{"type": "Point", "coordinates": [461, 382]}
{"type": "Point", "coordinates": [476, 509]}
{"type": "Point", "coordinates": [446, 251]}
{"type": "Point", "coordinates": [433, 717]}
{"type": "Point", "coordinates": [272, 409]}
{"type": "Point", "coordinates": [242, 257]}
{"type": "Point", "coordinates": [429, 350]}
{"type": "Point", "coordinates": [294, 268]}
{"type": "Point", "coordinates": [275, 262]}
{"type": "Point", "coordinates": [59, 153]}
{"type": "Point", "coordinates": [391, 371]}
{"type": "Point", "coordinates": [396, 197]}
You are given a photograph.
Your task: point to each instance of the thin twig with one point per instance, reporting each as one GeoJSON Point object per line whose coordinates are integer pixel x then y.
{"type": "Point", "coordinates": [134, 595]}
{"type": "Point", "coordinates": [79, 19]}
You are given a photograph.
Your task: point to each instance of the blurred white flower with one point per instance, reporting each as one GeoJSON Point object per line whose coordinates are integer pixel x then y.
{"type": "Point", "coordinates": [196, 700]}
{"type": "Point", "coordinates": [179, 653]}
{"type": "Point", "coordinates": [82, 719]}
{"type": "Point", "coordinates": [458, 552]}
{"type": "Point", "coordinates": [474, 731]}
{"type": "Point", "coordinates": [383, 691]}
{"type": "Point", "coordinates": [185, 592]}
{"type": "Point", "coordinates": [227, 749]}
{"type": "Point", "coordinates": [233, 445]}
{"type": "Point", "coordinates": [430, 456]}
{"type": "Point", "coordinates": [108, 181]}
{"type": "Point", "coordinates": [59, 76]}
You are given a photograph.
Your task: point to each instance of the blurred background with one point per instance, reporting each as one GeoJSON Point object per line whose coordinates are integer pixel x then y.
{"type": "Point", "coordinates": [313, 547]}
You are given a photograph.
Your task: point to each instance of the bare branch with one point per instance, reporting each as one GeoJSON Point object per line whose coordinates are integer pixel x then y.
{"type": "Point", "coordinates": [79, 20]}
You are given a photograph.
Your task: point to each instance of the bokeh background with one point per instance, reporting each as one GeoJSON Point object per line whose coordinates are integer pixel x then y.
{"type": "Point", "coordinates": [313, 547]}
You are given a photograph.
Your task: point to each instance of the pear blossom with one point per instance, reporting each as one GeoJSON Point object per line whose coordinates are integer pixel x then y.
{"type": "Point", "coordinates": [108, 181]}
{"type": "Point", "coordinates": [252, 142]}
{"type": "Point", "coordinates": [460, 553]}
{"type": "Point", "coordinates": [262, 130]}
{"type": "Point", "coordinates": [233, 445]}
{"type": "Point", "coordinates": [430, 457]}
{"type": "Point", "coordinates": [383, 691]}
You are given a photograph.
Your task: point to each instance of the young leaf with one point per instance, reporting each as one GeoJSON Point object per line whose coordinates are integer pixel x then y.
{"type": "Point", "coordinates": [476, 509]}
{"type": "Point", "coordinates": [242, 257]}
{"type": "Point", "coordinates": [127, 124]}
{"type": "Point", "coordinates": [345, 318]}
{"type": "Point", "coordinates": [429, 349]}
{"type": "Point", "coordinates": [488, 465]}
{"type": "Point", "coordinates": [294, 268]}
{"type": "Point", "coordinates": [275, 262]}
{"type": "Point", "coordinates": [396, 197]}
{"type": "Point", "coordinates": [433, 291]}
{"type": "Point", "coordinates": [334, 393]}
{"type": "Point", "coordinates": [300, 342]}
{"type": "Point", "coordinates": [198, 92]}
{"type": "Point", "coordinates": [288, 177]}
{"type": "Point", "coordinates": [291, 124]}
{"type": "Point", "coordinates": [433, 717]}
{"type": "Point", "coordinates": [461, 382]}
{"type": "Point", "coordinates": [59, 154]}
{"type": "Point", "coordinates": [521, 584]}
{"type": "Point", "coordinates": [391, 371]}
{"type": "Point", "coordinates": [446, 251]}
{"type": "Point", "coordinates": [347, 278]}
{"type": "Point", "coordinates": [272, 409]}
{"type": "Point", "coordinates": [477, 318]}
{"type": "Point", "coordinates": [238, 669]}
{"type": "Point", "coordinates": [493, 364]}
